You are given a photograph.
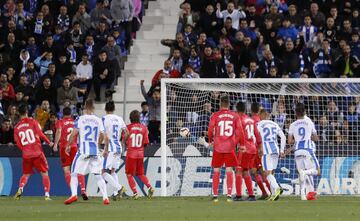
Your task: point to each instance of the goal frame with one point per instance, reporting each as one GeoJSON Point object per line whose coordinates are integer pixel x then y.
{"type": "Point", "coordinates": [165, 81]}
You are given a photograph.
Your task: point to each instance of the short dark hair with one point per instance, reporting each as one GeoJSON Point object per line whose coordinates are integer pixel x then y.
{"type": "Point", "coordinates": [23, 109]}
{"type": "Point", "coordinates": [224, 99]}
{"type": "Point", "coordinates": [110, 106]}
{"type": "Point", "coordinates": [241, 107]}
{"type": "Point", "coordinates": [89, 104]}
{"type": "Point", "coordinates": [66, 111]}
{"type": "Point", "coordinates": [255, 108]}
{"type": "Point", "coordinates": [300, 110]}
{"type": "Point", "coordinates": [144, 103]}
{"type": "Point", "coordinates": [135, 116]}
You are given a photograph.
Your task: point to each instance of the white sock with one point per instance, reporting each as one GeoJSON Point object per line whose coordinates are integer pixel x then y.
{"type": "Point", "coordinates": [47, 194]}
{"type": "Point", "coordinates": [309, 181]}
{"type": "Point", "coordinates": [311, 172]}
{"type": "Point", "coordinates": [74, 184]}
{"type": "Point", "coordinates": [116, 179]}
{"type": "Point", "coordinates": [108, 178]}
{"type": "Point", "coordinates": [102, 186]}
{"type": "Point", "coordinates": [302, 188]}
{"type": "Point", "coordinates": [274, 185]}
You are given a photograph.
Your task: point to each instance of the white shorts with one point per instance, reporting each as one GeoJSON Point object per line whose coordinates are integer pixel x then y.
{"type": "Point", "coordinates": [84, 164]}
{"type": "Point", "coordinates": [270, 161]}
{"type": "Point", "coordinates": [112, 161]}
{"type": "Point", "coordinates": [305, 160]}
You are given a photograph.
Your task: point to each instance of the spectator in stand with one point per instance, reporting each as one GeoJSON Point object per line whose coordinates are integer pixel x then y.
{"type": "Point", "coordinates": [334, 115]}
{"type": "Point", "coordinates": [63, 20]}
{"type": "Point", "coordinates": [231, 12]}
{"type": "Point", "coordinates": [202, 42]}
{"type": "Point", "coordinates": [254, 71]}
{"type": "Point", "coordinates": [67, 96]}
{"type": "Point", "coordinates": [55, 78]}
{"type": "Point", "coordinates": [347, 64]}
{"type": "Point", "coordinates": [71, 53]}
{"type": "Point", "coordinates": [275, 16]}
{"type": "Point", "coordinates": [144, 114]}
{"type": "Point", "coordinates": [12, 47]}
{"type": "Point", "coordinates": [25, 88]}
{"type": "Point", "coordinates": [355, 44]}
{"type": "Point", "coordinates": [229, 71]}
{"type": "Point", "coordinates": [248, 32]}
{"type": "Point", "coordinates": [323, 60]}
{"type": "Point", "coordinates": [103, 74]}
{"type": "Point", "coordinates": [294, 17]}
{"type": "Point", "coordinates": [13, 77]}
{"type": "Point", "coordinates": [45, 91]}
{"type": "Point", "coordinates": [113, 52]}
{"type": "Point", "coordinates": [42, 113]}
{"type": "Point", "coordinates": [12, 115]}
{"type": "Point", "coordinates": [89, 47]}
{"type": "Point", "coordinates": [228, 30]}
{"type": "Point", "coordinates": [330, 31]}
{"type": "Point", "coordinates": [268, 62]}
{"type": "Point", "coordinates": [178, 43]}
{"type": "Point", "coordinates": [189, 36]}
{"type": "Point", "coordinates": [50, 46]}
{"type": "Point", "coordinates": [187, 17]}
{"type": "Point", "coordinates": [22, 61]}
{"type": "Point", "coordinates": [83, 18]}
{"type": "Point", "coordinates": [309, 31]}
{"type": "Point", "coordinates": [209, 23]}
{"type": "Point", "coordinates": [177, 61]}
{"type": "Point", "coordinates": [42, 63]}
{"type": "Point", "coordinates": [100, 14]}
{"type": "Point", "coordinates": [288, 31]}
{"type": "Point", "coordinates": [100, 35]}
{"type": "Point", "coordinates": [210, 64]}
{"type": "Point", "coordinates": [122, 12]}
{"type": "Point", "coordinates": [290, 58]}
{"type": "Point", "coordinates": [317, 17]}
{"type": "Point", "coordinates": [32, 48]}
{"type": "Point", "coordinates": [84, 73]}
{"type": "Point", "coordinates": [7, 90]}
{"type": "Point", "coordinates": [153, 101]}
{"type": "Point", "coordinates": [7, 133]}
{"type": "Point", "coordinates": [76, 35]}
{"type": "Point", "coordinates": [32, 74]}
{"type": "Point", "coordinates": [189, 73]}
{"type": "Point", "coordinates": [21, 16]}
{"type": "Point", "coordinates": [194, 60]}
{"type": "Point", "coordinates": [165, 72]}
{"type": "Point", "coordinates": [63, 66]}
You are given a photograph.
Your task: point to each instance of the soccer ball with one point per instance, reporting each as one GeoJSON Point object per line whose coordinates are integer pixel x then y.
{"type": "Point", "coordinates": [184, 132]}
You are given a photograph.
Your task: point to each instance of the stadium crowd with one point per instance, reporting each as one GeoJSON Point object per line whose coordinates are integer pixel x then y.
{"type": "Point", "coordinates": [53, 52]}
{"type": "Point", "coordinates": [264, 39]}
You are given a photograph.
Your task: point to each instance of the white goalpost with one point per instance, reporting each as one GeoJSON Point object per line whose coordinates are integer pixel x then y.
{"type": "Point", "coordinates": [333, 105]}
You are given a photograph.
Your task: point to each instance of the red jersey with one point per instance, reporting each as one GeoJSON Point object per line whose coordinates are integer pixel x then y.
{"type": "Point", "coordinates": [67, 126]}
{"type": "Point", "coordinates": [27, 135]}
{"type": "Point", "coordinates": [256, 118]}
{"type": "Point", "coordinates": [252, 135]}
{"type": "Point", "coordinates": [137, 140]}
{"type": "Point", "coordinates": [226, 130]}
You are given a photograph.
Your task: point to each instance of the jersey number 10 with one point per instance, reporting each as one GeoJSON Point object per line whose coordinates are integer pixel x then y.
{"type": "Point", "coordinates": [136, 140]}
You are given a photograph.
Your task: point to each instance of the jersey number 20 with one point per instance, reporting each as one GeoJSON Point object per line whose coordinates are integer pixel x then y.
{"type": "Point", "coordinates": [27, 137]}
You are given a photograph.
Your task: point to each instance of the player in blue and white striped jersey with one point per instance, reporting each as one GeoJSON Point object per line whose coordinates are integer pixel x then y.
{"type": "Point", "coordinates": [114, 126]}
{"type": "Point", "coordinates": [269, 132]}
{"type": "Point", "coordinates": [302, 134]}
{"type": "Point", "coordinates": [90, 131]}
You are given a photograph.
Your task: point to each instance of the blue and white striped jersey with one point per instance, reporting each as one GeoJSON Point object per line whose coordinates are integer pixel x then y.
{"type": "Point", "coordinates": [302, 130]}
{"type": "Point", "coordinates": [114, 125]}
{"type": "Point", "coordinates": [90, 127]}
{"type": "Point", "coordinates": [269, 132]}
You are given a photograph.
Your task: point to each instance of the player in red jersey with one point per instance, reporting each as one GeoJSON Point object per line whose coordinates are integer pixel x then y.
{"type": "Point", "coordinates": [28, 136]}
{"type": "Point", "coordinates": [226, 131]}
{"type": "Point", "coordinates": [136, 138]}
{"type": "Point", "coordinates": [247, 159]}
{"type": "Point", "coordinates": [64, 127]}
{"type": "Point", "coordinates": [257, 171]}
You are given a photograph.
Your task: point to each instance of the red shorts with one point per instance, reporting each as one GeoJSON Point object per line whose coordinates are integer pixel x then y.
{"type": "Point", "coordinates": [66, 160]}
{"type": "Point", "coordinates": [247, 161]}
{"type": "Point", "coordinates": [134, 166]}
{"type": "Point", "coordinates": [219, 159]}
{"type": "Point", "coordinates": [257, 163]}
{"type": "Point", "coordinates": [39, 163]}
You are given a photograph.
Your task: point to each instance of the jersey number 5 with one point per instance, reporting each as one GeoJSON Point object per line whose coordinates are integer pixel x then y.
{"type": "Point", "coordinates": [27, 137]}
{"type": "Point", "coordinates": [226, 128]}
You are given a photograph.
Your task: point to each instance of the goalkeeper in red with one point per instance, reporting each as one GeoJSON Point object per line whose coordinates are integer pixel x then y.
{"type": "Point", "coordinates": [28, 136]}
{"type": "Point", "coordinates": [136, 139]}
{"type": "Point", "coordinates": [225, 131]}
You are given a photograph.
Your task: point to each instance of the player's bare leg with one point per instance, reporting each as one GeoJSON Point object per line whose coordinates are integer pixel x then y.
{"type": "Point", "coordinates": [22, 183]}
{"type": "Point", "coordinates": [248, 183]}
{"type": "Point", "coordinates": [238, 184]}
{"type": "Point", "coordinates": [122, 190]}
{"type": "Point", "coordinates": [259, 182]}
{"type": "Point", "coordinates": [216, 181]}
{"type": "Point", "coordinates": [46, 184]}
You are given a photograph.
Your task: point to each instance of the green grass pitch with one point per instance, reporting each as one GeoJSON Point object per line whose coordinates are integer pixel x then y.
{"type": "Point", "coordinates": [181, 208]}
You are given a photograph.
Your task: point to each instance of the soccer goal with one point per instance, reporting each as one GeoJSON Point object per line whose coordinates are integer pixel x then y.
{"type": "Point", "coordinates": [333, 105]}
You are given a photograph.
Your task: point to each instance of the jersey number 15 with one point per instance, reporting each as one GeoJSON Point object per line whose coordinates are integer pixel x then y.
{"type": "Point", "coordinates": [226, 128]}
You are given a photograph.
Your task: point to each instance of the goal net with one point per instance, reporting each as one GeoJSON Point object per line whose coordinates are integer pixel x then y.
{"type": "Point", "coordinates": [333, 105]}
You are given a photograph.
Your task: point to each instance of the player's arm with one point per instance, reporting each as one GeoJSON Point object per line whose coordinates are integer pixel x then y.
{"type": "Point", "coordinates": [146, 137]}
{"type": "Point", "coordinates": [282, 141]}
{"type": "Point", "coordinates": [240, 135]}
{"type": "Point", "coordinates": [17, 140]}
{"type": "Point", "coordinates": [314, 136]}
{"type": "Point", "coordinates": [258, 141]}
{"type": "Point", "coordinates": [57, 138]}
{"type": "Point", "coordinates": [211, 130]}
{"type": "Point", "coordinates": [73, 134]}
{"type": "Point", "coordinates": [42, 135]}
{"type": "Point", "coordinates": [103, 138]}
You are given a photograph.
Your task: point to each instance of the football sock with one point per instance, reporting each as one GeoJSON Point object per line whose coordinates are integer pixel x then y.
{"type": "Point", "coordinates": [132, 183]}
{"type": "Point", "coordinates": [23, 181]}
{"type": "Point", "coordinates": [267, 183]}
{"type": "Point", "coordinates": [274, 185]}
{"type": "Point", "coordinates": [74, 184]}
{"type": "Point", "coordinates": [238, 184]}
{"type": "Point", "coordinates": [248, 184]}
{"type": "Point", "coordinates": [102, 185]}
{"type": "Point", "coordinates": [108, 178]}
{"type": "Point", "coordinates": [310, 172]}
{"type": "Point", "coordinates": [145, 180]}
{"type": "Point", "coordinates": [260, 184]}
{"type": "Point", "coordinates": [229, 182]}
{"type": "Point", "coordinates": [116, 179]}
{"type": "Point", "coordinates": [302, 188]}
{"type": "Point", "coordinates": [46, 184]}
{"type": "Point", "coordinates": [309, 183]}
{"type": "Point", "coordinates": [67, 177]}
{"type": "Point", "coordinates": [81, 179]}
{"type": "Point", "coordinates": [216, 180]}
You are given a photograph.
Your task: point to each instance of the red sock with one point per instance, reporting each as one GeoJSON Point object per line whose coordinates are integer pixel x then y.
{"type": "Point", "coordinates": [229, 182]}
{"type": "Point", "coordinates": [260, 184]}
{"type": "Point", "coordinates": [248, 183]}
{"type": "Point", "coordinates": [145, 180]}
{"type": "Point", "coordinates": [23, 181]}
{"type": "Point", "coordinates": [216, 181]}
{"type": "Point", "coordinates": [67, 177]}
{"type": "Point", "coordinates": [131, 182]}
{"type": "Point", "coordinates": [238, 183]}
{"type": "Point", "coordinates": [81, 179]}
{"type": "Point", "coordinates": [267, 183]}
{"type": "Point", "coordinates": [46, 183]}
